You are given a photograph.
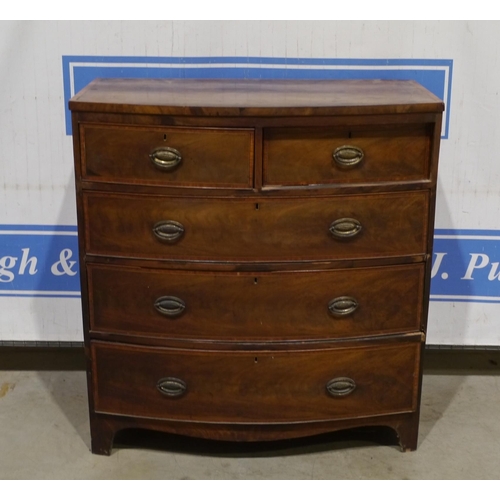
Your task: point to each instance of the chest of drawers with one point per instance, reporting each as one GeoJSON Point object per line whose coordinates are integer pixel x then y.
{"type": "Point", "coordinates": [255, 255]}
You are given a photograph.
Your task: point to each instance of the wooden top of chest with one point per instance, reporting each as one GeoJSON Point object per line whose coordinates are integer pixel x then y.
{"type": "Point", "coordinates": [188, 97]}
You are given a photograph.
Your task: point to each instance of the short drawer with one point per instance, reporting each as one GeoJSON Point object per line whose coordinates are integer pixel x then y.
{"type": "Point", "coordinates": [256, 230]}
{"type": "Point", "coordinates": [256, 306]}
{"type": "Point", "coordinates": [255, 386]}
{"type": "Point", "coordinates": [307, 156]}
{"type": "Point", "coordinates": [168, 156]}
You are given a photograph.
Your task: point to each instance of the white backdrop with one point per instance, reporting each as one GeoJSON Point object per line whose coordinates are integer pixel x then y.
{"type": "Point", "coordinates": [40, 61]}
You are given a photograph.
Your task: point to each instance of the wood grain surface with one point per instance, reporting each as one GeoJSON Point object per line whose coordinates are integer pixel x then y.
{"type": "Point", "coordinates": [304, 156]}
{"type": "Point", "coordinates": [214, 157]}
{"type": "Point", "coordinates": [265, 307]}
{"type": "Point", "coordinates": [255, 97]}
{"type": "Point", "coordinates": [256, 230]}
{"type": "Point", "coordinates": [246, 387]}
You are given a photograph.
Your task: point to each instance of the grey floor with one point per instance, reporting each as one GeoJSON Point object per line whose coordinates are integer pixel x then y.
{"type": "Point", "coordinates": [44, 431]}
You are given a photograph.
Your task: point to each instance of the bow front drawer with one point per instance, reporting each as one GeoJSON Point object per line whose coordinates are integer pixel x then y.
{"type": "Point", "coordinates": [261, 386]}
{"type": "Point", "coordinates": [173, 156]}
{"type": "Point", "coordinates": [314, 155]}
{"type": "Point", "coordinates": [256, 306]}
{"type": "Point", "coordinates": [266, 230]}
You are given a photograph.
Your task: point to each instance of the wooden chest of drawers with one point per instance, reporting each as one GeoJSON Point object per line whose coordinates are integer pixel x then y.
{"type": "Point", "coordinates": [255, 255]}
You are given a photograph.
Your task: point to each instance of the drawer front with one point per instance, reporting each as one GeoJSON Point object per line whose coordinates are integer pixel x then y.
{"type": "Point", "coordinates": [305, 156]}
{"type": "Point", "coordinates": [255, 387]}
{"type": "Point", "coordinates": [257, 230]}
{"type": "Point", "coordinates": [244, 306]}
{"type": "Point", "coordinates": [168, 156]}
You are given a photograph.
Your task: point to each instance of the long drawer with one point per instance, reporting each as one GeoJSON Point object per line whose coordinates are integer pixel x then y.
{"type": "Point", "coordinates": [259, 229]}
{"type": "Point", "coordinates": [255, 386]}
{"type": "Point", "coordinates": [249, 307]}
{"type": "Point", "coordinates": [175, 156]}
{"type": "Point", "coordinates": [325, 155]}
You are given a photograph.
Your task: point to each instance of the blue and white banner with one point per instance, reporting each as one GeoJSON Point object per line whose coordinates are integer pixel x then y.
{"type": "Point", "coordinates": [466, 266]}
{"type": "Point", "coordinates": [40, 261]}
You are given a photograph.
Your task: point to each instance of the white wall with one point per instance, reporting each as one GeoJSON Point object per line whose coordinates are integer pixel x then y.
{"type": "Point", "coordinates": [36, 153]}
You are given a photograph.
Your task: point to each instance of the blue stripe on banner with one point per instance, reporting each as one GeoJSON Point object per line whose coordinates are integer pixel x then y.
{"type": "Point", "coordinates": [43, 261]}
{"type": "Point", "coordinates": [434, 74]}
{"type": "Point", "coordinates": [24, 228]}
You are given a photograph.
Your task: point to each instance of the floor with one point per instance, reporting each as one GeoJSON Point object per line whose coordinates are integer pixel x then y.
{"type": "Point", "coordinates": [44, 431]}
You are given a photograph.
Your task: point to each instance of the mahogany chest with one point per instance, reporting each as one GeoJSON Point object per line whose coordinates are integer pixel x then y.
{"type": "Point", "coordinates": [255, 255]}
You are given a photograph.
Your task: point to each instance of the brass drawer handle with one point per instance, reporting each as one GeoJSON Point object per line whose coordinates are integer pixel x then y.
{"type": "Point", "coordinates": [168, 230]}
{"type": "Point", "coordinates": [342, 306]}
{"type": "Point", "coordinates": [348, 156]}
{"type": "Point", "coordinates": [171, 387]}
{"type": "Point", "coordinates": [345, 228]}
{"type": "Point", "coordinates": [341, 386]}
{"type": "Point", "coordinates": [170, 306]}
{"type": "Point", "coordinates": [165, 158]}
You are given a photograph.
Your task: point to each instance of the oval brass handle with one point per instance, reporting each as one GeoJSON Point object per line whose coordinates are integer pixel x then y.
{"type": "Point", "coordinates": [168, 230]}
{"type": "Point", "coordinates": [341, 386]}
{"type": "Point", "coordinates": [171, 386]}
{"type": "Point", "coordinates": [342, 306]}
{"type": "Point", "coordinates": [348, 156]}
{"type": "Point", "coordinates": [165, 158]}
{"type": "Point", "coordinates": [170, 306]}
{"type": "Point", "coordinates": [345, 228]}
